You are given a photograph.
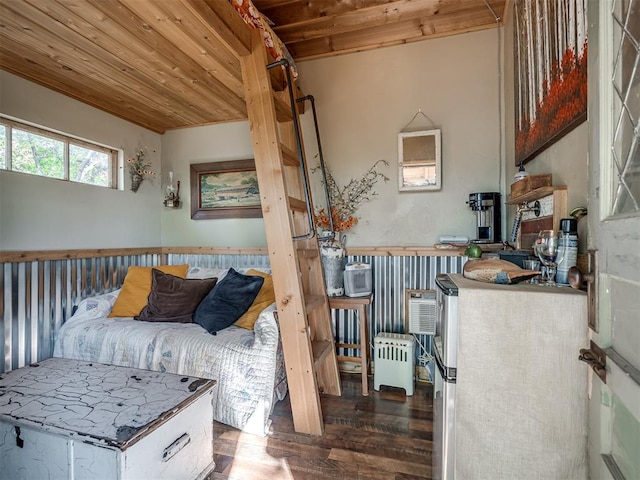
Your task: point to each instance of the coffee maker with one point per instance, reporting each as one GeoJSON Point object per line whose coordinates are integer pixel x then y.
{"type": "Point", "coordinates": [487, 208]}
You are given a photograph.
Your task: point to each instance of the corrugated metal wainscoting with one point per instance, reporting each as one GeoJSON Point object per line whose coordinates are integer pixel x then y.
{"type": "Point", "coordinates": [219, 260]}
{"type": "Point", "coordinates": [36, 297]}
{"type": "Point", "coordinates": [392, 276]}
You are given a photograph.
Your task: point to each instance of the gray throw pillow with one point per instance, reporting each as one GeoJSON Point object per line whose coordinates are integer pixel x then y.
{"type": "Point", "coordinates": [174, 299]}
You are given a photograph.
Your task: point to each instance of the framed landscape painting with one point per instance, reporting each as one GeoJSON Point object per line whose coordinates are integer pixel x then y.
{"type": "Point", "coordinates": [225, 190]}
{"type": "Point", "coordinates": [550, 71]}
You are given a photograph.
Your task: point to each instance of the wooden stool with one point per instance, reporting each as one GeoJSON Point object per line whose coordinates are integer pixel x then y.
{"type": "Point", "coordinates": [359, 304]}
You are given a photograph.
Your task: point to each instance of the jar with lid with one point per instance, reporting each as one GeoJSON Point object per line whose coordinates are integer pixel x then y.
{"type": "Point", "coordinates": [568, 243]}
{"type": "Point", "coordinates": [520, 174]}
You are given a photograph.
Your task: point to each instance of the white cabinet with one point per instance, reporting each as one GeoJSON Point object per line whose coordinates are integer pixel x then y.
{"type": "Point", "coordinates": [66, 419]}
{"type": "Point", "coordinates": [521, 392]}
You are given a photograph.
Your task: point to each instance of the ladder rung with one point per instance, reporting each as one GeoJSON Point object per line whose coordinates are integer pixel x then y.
{"type": "Point", "coordinates": [308, 252]}
{"type": "Point", "coordinates": [320, 349]}
{"type": "Point", "coordinates": [289, 156]}
{"type": "Point", "coordinates": [297, 204]}
{"type": "Point", "coordinates": [283, 110]}
{"type": "Point", "coordinates": [313, 301]}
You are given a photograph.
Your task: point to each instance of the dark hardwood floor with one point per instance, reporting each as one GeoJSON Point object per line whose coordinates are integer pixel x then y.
{"type": "Point", "coordinates": [386, 435]}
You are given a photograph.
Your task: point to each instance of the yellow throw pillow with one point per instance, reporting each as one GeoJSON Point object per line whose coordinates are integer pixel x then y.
{"type": "Point", "coordinates": [137, 286]}
{"type": "Point", "coordinates": [266, 296]}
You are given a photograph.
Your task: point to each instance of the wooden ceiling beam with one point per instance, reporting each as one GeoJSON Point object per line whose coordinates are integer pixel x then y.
{"type": "Point", "coordinates": [304, 12]}
{"type": "Point", "coordinates": [392, 34]}
{"type": "Point", "coordinates": [356, 19]}
{"type": "Point", "coordinates": [226, 24]}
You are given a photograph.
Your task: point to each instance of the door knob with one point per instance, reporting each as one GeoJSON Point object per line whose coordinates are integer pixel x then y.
{"type": "Point", "coordinates": [577, 279]}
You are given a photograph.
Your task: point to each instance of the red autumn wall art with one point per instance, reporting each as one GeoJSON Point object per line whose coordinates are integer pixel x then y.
{"type": "Point", "coordinates": [550, 72]}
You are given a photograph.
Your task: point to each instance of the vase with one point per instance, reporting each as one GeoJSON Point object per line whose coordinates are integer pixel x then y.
{"type": "Point", "coordinates": [136, 180]}
{"type": "Point", "coordinates": [332, 256]}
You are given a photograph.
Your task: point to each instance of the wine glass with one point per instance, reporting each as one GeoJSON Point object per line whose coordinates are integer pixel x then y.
{"type": "Point", "coordinates": [547, 249]}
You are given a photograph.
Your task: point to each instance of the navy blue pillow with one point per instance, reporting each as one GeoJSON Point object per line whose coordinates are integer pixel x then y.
{"type": "Point", "coordinates": [227, 301]}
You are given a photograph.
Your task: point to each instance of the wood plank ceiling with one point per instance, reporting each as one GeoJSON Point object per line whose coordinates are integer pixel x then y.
{"type": "Point", "coordinates": [166, 64]}
{"type": "Point", "coordinates": [315, 29]}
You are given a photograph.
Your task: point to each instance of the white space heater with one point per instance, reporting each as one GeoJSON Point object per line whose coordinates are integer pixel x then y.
{"type": "Point", "coordinates": [357, 279]}
{"type": "Point", "coordinates": [420, 315]}
{"type": "Point", "coordinates": [394, 361]}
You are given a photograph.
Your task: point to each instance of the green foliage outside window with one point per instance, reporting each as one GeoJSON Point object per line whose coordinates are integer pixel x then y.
{"type": "Point", "coordinates": [36, 154]}
{"type": "Point", "coordinates": [88, 166]}
{"type": "Point", "coordinates": [3, 143]}
{"type": "Point", "coordinates": [55, 156]}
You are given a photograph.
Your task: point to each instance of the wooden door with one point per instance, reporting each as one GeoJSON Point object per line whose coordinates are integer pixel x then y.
{"type": "Point", "coordinates": [614, 231]}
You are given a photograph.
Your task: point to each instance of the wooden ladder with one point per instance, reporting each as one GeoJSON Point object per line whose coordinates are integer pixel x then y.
{"type": "Point", "coordinates": [303, 308]}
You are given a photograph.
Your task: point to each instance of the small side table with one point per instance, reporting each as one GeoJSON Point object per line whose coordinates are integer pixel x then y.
{"type": "Point", "coordinates": [359, 304]}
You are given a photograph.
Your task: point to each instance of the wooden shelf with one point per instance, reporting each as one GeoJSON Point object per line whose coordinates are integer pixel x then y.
{"type": "Point", "coordinates": [533, 195]}
{"type": "Point", "coordinates": [530, 227]}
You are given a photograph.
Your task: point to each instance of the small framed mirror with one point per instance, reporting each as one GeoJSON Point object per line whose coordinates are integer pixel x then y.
{"type": "Point", "coordinates": [419, 161]}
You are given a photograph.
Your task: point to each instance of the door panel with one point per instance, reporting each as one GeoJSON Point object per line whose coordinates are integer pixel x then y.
{"type": "Point", "coordinates": [625, 331]}
{"type": "Point", "coordinates": [625, 434]}
{"type": "Point", "coordinates": [614, 231]}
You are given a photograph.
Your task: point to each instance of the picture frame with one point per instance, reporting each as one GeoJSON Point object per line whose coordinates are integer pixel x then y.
{"type": "Point", "coordinates": [550, 73]}
{"type": "Point", "coordinates": [227, 189]}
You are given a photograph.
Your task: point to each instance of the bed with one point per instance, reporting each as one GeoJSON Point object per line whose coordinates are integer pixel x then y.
{"type": "Point", "coordinates": [248, 365]}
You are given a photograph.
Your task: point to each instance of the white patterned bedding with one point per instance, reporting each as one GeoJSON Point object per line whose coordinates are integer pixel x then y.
{"type": "Point", "coordinates": [247, 365]}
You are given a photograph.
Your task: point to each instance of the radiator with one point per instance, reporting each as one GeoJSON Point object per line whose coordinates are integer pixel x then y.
{"type": "Point", "coordinates": [394, 361]}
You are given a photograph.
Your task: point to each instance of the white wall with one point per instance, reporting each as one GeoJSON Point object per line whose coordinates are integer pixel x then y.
{"type": "Point", "coordinates": [181, 148]}
{"type": "Point", "coordinates": [43, 213]}
{"type": "Point", "coordinates": [365, 99]}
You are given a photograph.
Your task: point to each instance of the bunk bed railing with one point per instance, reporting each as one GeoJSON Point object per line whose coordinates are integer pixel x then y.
{"type": "Point", "coordinates": [323, 169]}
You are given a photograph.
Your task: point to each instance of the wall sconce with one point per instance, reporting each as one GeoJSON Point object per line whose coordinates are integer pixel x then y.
{"type": "Point", "coordinates": [172, 195]}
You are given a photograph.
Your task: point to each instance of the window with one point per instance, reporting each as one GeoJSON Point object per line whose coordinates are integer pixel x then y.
{"type": "Point", "coordinates": [625, 93]}
{"type": "Point", "coordinates": [3, 146]}
{"type": "Point", "coordinates": [33, 150]}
